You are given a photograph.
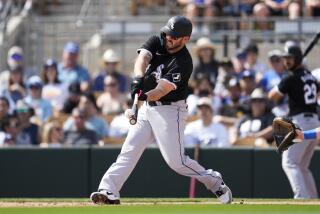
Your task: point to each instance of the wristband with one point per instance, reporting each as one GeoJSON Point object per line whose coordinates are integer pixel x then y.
{"type": "Point", "coordinates": [310, 134]}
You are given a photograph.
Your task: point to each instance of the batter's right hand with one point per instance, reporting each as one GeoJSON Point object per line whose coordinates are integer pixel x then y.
{"type": "Point", "coordinates": [136, 85]}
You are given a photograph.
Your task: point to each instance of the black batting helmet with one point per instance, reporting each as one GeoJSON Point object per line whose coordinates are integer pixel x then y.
{"type": "Point", "coordinates": [177, 26]}
{"type": "Point", "coordinates": [294, 51]}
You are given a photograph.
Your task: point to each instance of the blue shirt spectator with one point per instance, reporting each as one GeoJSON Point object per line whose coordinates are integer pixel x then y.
{"type": "Point", "coordinates": [69, 70]}
{"type": "Point", "coordinates": [42, 107]}
{"type": "Point", "coordinates": [276, 72]}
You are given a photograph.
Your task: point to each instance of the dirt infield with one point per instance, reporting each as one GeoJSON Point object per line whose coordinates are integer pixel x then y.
{"type": "Point", "coordinates": [54, 203]}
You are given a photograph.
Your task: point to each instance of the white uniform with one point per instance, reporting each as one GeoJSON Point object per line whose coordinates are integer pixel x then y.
{"type": "Point", "coordinates": [164, 124]}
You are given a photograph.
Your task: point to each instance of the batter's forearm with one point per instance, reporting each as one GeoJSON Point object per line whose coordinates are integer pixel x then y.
{"type": "Point", "coordinates": [141, 63]}
{"type": "Point", "coordinates": [155, 94]}
{"type": "Point", "coordinates": [313, 134]}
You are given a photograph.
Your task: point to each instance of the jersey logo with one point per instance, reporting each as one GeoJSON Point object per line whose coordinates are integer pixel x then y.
{"type": "Point", "coordinates": [158, 72]}
{"type": "Point", "coordinates": [176, 77]}
{"type": "Point", "coordinates": [172, 25]}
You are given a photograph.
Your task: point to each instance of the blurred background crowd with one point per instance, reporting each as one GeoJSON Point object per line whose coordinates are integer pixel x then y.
{"type": "Point", "coordinates": [64, 101]}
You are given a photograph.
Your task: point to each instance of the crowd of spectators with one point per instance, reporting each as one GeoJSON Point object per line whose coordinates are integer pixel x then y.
{"type": "Point", "coordinates": [66, 105]}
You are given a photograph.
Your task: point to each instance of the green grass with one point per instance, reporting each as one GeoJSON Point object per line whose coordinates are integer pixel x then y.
{"type": "Point", "coordinates": [156, 206]}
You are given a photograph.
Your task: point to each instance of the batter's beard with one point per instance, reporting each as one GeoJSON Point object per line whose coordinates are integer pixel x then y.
{"type": "Point", "coordinates": [173, 48]}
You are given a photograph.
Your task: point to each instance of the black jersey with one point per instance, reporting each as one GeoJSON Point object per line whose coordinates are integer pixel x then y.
{"type": "Point", "coordinates": [175, 68]}
{"type": "Point", "coordinates": [302, 88]}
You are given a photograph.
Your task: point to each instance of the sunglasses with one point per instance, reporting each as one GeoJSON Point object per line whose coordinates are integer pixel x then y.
{"type": "Point", "coordinates": [110, 84]}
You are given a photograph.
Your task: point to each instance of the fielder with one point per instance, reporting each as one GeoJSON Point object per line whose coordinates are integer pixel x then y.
{"type": "Point", "coordinates": [302, 89]}
{"type": "Point", "coordinates": [162, 71]}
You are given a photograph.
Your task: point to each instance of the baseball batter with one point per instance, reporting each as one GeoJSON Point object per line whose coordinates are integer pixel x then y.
{"type": "Point", "coordinates": [302, 89]}
{"type": "Point", "coordinates": [162, 70]}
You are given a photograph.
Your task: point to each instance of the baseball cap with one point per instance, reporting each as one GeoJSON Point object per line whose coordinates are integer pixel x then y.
{"type": "Point", "coordinates": [204, 101]}
{"type": "Point", "coordinates": [74, 88]}
{"type": "Point", "coordinates": [258, 94]}
{"type": "Point", "coordinates": [50, 63]}
{"type": "Point", "coordinates": [241, 54]}
{"type": "Point", "coordinates": [22, 107]}
{"type": "Point", "coordinates": [177, 26]}
{"type": "Point", "coordinates": [72, 47]}
{"type": "Point", "coordinates": [247, 74]}
{"type": "Point", "coordinates": [233, 82]}
{"type": "Point", "coordinates": [274, 53]}
{"type": "Point", "coordinates": [15, 57]}
{"type": "Point", "coordinates": [35, 81]}
{"type": "Point", "coordinates": [110, 56]}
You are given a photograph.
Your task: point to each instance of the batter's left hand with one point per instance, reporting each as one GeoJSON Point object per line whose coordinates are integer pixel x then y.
{"type": "Point", "coordinates": [142, 96]}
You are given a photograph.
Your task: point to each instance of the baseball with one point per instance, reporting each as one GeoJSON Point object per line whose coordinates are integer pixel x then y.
{"type": "Point", "coordinates": [128, 113]}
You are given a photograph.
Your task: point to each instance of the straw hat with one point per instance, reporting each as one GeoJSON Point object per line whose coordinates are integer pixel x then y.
{"type": "Point", "coordinates": [204, 42]}
{"type": "Point", "coordinates": [110, 56]}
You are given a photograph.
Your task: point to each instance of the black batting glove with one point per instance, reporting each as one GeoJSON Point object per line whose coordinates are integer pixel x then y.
{"type": "Point", "coordinates": [142, 96]}
{"type": "Point", "coordinates": [136, 86]}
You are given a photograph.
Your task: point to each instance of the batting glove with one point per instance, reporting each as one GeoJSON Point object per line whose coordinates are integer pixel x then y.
{"type": "Point", "coordinates": [142, 96]}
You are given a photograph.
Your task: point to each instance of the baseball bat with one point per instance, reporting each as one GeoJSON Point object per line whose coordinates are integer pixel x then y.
{"type": "Point", "coordinates": [313, 42]}
{"type": "Point", "coordinates": [193, 181]}
{"type": "Point", "coordinates": [133, 118]}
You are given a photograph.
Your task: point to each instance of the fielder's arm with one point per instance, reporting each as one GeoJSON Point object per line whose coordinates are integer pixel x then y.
{"type": "Point", "coordinates": [313, 134]}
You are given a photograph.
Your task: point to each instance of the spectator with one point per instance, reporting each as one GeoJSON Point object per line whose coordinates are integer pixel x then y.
{"type": "Point", "coordinates": [247, 82]}
{"type": "Point", "coordinates": [257, 124]}
{"type": "Point", "coordinates": [225, 73]}
{"type": "Point", "coordinates": [242, 8]}
{"type": "Point", "coordinates": [112, 100]}
{"type": "Point", "coordinates": [204, 131]}
{"type": "Point", "coordinates": [9, 128]}
{"type": "Point", "coordinates": [53, 90]}
{"type": "Point", "coordinates": [252, 61]}
{"type": "Point", "coordinates": [4, 108]}
{"type": "Point", "coordinates": [42, 108]}
{"type": "Point", "coordinates": [72, 101]}
{"type": "Point", "coordinates": [232, 105]}
{"type": "Point", "coordinates": [70, 70]}
{"type": "Point", "coordinates": [119, 126]}
{"type": "Point", "coordinates": [312, 8]}
{"type": "Point", "coordinates": [207, 64]}
{"type": "Point", "coordinates": [277, 70]}
{"type": "Point", "coordinates": [28, 131]}
{"type": "Point", "coordinates": [93, 121]}
{"type": "Point", "coordinates": [79, 134]}
{"type": "Point", "coordinates": [209, 9]}
{"type": "Point", "coordinates": [52, 135]}
{"type": "Point", "coordinates": [203, 88]}
{"type": "Point", "coordinates": [110, 63]}
{"type": "Point", "coordinates": [16, 88]}
{"type": "Point", "coordinates": [239, 60]}
{"type": "Point", "coordinates": [276, 8]}
{"type": "Point", "coordinates": [15, 62]}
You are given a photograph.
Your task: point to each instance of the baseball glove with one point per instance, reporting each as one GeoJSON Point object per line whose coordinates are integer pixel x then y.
{"type": "Point", "coordinates": [284, 131]}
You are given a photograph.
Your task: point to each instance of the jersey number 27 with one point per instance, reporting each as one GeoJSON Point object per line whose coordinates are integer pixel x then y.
{"type": "Point", "coordinates": [310, 93]}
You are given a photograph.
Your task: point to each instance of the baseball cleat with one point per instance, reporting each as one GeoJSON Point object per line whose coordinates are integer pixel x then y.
{"type": "Point", "coordinates": [224, 194]}
{"type": "Point", "coordinates": [104, 197]}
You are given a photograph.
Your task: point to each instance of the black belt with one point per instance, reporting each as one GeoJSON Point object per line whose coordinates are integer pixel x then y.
{"type": "Point", "coordinates": [161, 103]}
{"type": "Point", "coordinates": [158, 103]}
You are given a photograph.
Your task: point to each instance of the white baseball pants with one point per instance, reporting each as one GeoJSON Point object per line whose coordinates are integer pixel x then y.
{"type": "Point", "coordinates": [165, 125]}
{"type": "Point", "coordinates": [296, 160]}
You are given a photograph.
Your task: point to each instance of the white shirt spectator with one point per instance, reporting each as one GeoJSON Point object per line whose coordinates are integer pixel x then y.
{"type": "Point", "coordinates": [119, 126]}
{"type": "Point", "coordinates": [214, 135]}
